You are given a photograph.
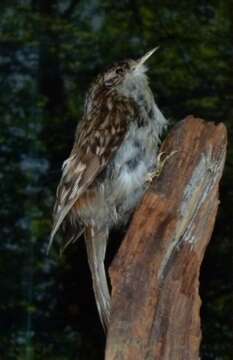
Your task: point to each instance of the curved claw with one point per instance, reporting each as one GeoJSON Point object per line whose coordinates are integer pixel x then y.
{"type": "Point", "coordinates": [159, 165]}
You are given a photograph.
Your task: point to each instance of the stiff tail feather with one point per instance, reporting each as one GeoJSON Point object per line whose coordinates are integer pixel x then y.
{"type": "Point", "coordinates": [96, 243]}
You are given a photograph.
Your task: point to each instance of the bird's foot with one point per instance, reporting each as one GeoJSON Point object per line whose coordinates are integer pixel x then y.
{"type": "Point", "coordinates": [160, 162]}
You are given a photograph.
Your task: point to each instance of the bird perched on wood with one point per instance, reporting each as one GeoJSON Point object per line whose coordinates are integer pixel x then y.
{"type": "Point", "coordinates": [106, 174]}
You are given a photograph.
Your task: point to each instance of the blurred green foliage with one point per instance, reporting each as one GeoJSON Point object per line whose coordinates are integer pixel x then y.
{"type": "Point", "coordinates": [50, 52]}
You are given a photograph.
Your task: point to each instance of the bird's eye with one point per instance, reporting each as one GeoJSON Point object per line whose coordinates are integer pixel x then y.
{"type": "Point", "coordinates": [119, 71]}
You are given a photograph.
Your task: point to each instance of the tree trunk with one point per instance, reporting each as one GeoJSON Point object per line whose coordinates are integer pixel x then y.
{"type": "Point", "coordinates": [155, 275]}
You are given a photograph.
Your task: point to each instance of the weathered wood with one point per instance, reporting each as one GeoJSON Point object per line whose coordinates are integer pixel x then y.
{"type": "Point", "coordinates": [155, 275]}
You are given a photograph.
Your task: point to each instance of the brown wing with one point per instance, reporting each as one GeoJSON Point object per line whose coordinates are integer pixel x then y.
{"type": "Point", "coordinates": [96, 142]}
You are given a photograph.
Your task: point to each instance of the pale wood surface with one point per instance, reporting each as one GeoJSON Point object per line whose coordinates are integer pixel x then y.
{"type": "Point", "coordinates": [155, 275]}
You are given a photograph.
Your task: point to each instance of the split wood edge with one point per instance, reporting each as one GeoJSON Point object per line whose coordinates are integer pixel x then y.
{"type": "Point", "coordinates": [155, 274]}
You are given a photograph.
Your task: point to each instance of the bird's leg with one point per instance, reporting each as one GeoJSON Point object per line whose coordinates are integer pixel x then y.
{"type": "Point", "coordinates": [160, 162]}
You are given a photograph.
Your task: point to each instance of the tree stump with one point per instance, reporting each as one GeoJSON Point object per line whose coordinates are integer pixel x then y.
{"type": "Point", "coordinates": [155, 274]}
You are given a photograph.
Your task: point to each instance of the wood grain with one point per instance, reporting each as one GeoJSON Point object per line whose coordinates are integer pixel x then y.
{"type": "Point", "coordinates": [155, 275]}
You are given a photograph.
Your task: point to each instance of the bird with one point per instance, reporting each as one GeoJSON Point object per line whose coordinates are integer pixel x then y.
{"type": "Point", "coordinates": [106, 174]}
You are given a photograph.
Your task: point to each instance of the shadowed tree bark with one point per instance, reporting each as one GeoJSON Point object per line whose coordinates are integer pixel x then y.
{"type": "Point", "coordinates": [155, 275]}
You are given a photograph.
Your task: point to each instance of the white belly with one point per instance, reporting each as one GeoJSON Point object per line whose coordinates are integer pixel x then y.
{"type": "Point", "coordinates": [129, 168]}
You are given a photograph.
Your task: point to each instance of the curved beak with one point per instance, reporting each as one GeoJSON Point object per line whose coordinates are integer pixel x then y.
{"type": "Point", "coordinates": [143, 59]}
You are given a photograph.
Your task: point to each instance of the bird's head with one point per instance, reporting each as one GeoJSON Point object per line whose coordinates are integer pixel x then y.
{"type": "Point", "coordinates": [126, 70]}
{"type": "Point", "coordinates": [127, 77]}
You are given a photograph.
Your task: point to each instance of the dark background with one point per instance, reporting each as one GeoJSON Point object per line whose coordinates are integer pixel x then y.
{"type": "Point", "coordinates": [50, 51]}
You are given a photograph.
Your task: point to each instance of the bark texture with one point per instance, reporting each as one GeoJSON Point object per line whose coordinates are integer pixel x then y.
{"type": "Point", "coordinates": [155, 275]}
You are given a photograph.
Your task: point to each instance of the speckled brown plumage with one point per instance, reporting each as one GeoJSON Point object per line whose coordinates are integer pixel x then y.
{"type": "Point", "coordinates": [104, 177]}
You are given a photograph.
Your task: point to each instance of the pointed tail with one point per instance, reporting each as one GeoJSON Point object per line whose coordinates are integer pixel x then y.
{"type": "Point", "coordinates": [96, 243]}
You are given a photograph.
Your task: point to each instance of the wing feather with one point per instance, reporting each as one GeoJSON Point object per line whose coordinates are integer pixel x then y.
{"type": "Point", "coordinates": [94, 146]}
